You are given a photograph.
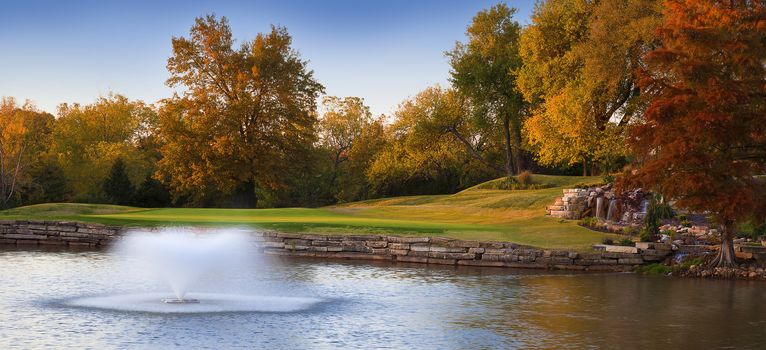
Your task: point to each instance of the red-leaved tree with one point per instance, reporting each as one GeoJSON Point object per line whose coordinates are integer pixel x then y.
{"type": "Point", "coordinates": [702, 139]}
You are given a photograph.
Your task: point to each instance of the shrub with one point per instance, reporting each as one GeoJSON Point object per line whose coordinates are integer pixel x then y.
{"type": "Point", "coordinates": [646, 235]}
{"type": "Point", "coordinates": [589, 221]}
{"type": "Point", "coordinates": [627, 242]}
{"type": "Point", "coordinates": [524, 178]}
{"type": "Point", "coordinates": [629, 230]}
{"type": "Point", "coordinates": [686, 223]}
{"type": "Point", "coordinates": [607, 241]}
{"type": "Point", "coordinates": [608, 178]}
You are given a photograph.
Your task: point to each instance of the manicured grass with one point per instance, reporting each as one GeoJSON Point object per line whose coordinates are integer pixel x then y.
{"type": "Point", "coordinates": [476, 214]}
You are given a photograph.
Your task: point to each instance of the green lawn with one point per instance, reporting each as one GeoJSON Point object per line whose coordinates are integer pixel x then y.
{"type": "Point", "coordinates": [477, 214]}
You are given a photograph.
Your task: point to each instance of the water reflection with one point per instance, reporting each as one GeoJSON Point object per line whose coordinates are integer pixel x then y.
{"type": "Point", "coordinates": [379, 305]}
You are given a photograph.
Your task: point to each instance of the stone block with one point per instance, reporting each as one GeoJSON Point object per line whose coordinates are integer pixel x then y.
{"type": "Point", "coordinates": [271, 244]}
{"type": "Point", "coordinates": [493, 245]}
{"type": "Point", "coordinates": [365, 237]}
{"type": "Point", "coordinates": [498, 250]}
{"type": "Point", "coordinates": [399, 246]}
{"type": "Point", "coordinates": [7, 241]}
{"type": "Point", "coordinates": [420, 247]}
{"type": "Point", "coordinates": [620, 249]}
{"type": "Point", "coordinates": [441, 249]}
{"type": "Point", "coordinates": [442, 261]}
{"type": "Point", "coordinates": [464, 244]}
{"type": "Point", "coordinates": [24, 236]}
{"type": "Point", "coordinates": [561, 260]}
{"type": "Point", "coordinates": [334, 248]}
{"type": "Point", "coordinates": [316, 249]}
{"type": "Point", "coordinates": [397, 239]}
{"type": "Point", "coordinates": [398, 252]}
{"type": "Point", "coordinates": [480, 263]}
{"type": "Point", "coordinates": [313, 237]}
{"type": "Point", "coordinates": [462, 256]}
{"type": "Point", "coordinates": [412, 259]}
{"type": "Point", "coordinates": [381, 251]}
{"type": "Point", "coordinates": [294, 241]}
{"type": "Point", "coordinates": [376, 244]}
{"type": "Point", "coordinates": [418, 253]}
{"type": "Point", "coordinates": [630, 261]}
{"type": "Point", "coordinates": [476, 250]}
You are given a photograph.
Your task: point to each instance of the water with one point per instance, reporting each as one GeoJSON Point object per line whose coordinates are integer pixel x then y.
{"type": "Point", "coordinates": [375, 305]}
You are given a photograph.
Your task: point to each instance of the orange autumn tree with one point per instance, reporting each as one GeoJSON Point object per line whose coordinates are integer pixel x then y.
{"type": "Point", "coordinates": [702, 140]}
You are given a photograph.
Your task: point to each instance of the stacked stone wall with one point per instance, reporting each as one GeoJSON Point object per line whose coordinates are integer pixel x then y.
{"type": "Point", "coordinates": [424, 250]}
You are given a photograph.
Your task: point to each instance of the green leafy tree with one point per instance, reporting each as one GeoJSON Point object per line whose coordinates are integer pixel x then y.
{"type": "Point", "coordinates": [484, 69]}
{"type": "Point", "coordinates": [87, 139]}
{"type": "Point", "coordinates": [342, 123]}
{"type": "Point", "coordinates": [244, 118]}
{"type": "Point", "coordinates": [117, 185]}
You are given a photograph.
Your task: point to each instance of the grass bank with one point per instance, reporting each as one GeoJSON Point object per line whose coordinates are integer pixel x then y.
{"type": "Point", "coordinates": [478, 213]}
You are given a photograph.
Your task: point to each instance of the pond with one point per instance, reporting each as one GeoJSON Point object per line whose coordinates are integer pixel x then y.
{"type": "Point", "coordinates": [45, 295]}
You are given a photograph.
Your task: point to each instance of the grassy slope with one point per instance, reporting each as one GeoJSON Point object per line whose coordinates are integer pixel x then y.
{"type": "Point", "coordinates": [481, 214]}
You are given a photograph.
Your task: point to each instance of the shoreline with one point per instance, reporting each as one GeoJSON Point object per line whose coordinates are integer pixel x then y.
{"type": "Point", "coordinates": [422, 250]}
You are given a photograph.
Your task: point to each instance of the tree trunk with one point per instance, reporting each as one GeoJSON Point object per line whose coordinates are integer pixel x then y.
{"type": "Point", "coordinates": [584, 166]}
{"type": "Point", "coordinates": [516, 141]}
{"type": "Point", "coordinates": [508, 149]}
{"type": "Point", "coordinates": [475, 154]}
{"type": "Point", "coordinates": [726, 256]}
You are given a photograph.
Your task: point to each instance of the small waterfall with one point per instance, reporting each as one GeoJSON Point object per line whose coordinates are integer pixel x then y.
{"type": "Point", "coordinates": [612, 214]}
{"type": "Point", "coordinates": [600, 208]}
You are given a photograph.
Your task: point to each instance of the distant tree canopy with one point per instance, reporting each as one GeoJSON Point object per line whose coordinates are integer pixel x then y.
{"type": "Point", "coordinates": [702, 140]}
{"type": "Point", "coordinates": [245, 115]}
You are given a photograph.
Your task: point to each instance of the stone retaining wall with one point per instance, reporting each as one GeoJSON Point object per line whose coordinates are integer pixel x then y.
{"type": "Point", "coordinates": [425, 250]}
{"type": "Point", "coordinates": [444, 251]}
{"type": "Point", "coordinates": [62, 233]}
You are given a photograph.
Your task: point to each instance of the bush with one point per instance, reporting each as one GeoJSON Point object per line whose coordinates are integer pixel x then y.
{"type": "Point", "coordinates": [589, 221]}
{"type": "Point", "coordinates": [607, 241]}
{"type": "Point", "coordinates": [608, 178]}
{"type": "Point", "coordinates": [629, 230]}
{"type": "Point", "coordinates": [627, 242]}
{"type": "Point", "coordinates": [646, 235]}
{"type": "Point", "coordinates": [524, 178]}
{"type": "Point", "coordinates": [686, 223]}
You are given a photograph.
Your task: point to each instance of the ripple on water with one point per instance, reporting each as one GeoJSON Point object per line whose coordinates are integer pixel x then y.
{"type": "Point", "coordinates": [208, 303]}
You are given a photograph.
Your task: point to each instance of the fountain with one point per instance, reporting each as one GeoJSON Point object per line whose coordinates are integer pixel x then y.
{"type": "Point", "coordinates": [187, 259]}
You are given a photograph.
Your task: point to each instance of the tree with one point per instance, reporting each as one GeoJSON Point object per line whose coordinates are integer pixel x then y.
{"type": "Point", "coordinates": [24, 134]}
{"type": "Point", "coordinates": [484, 69]}
{"type": "Point", "coordinates": [422, 155]}
{"type": "Point", "coordinates": [702, 140]}
{"type": "Point", "coordinates": [580, 59]}
{"type": "Point", "coordinates": [87, 139]}
{"type": "Point", "coordinates": [245, 115]}
{"type": "Point", "coordinates": [341, 125]}
{"type": "Point", "coordinates": [117, 185]}
{"type": "Point", "coordinates": [151, 194]}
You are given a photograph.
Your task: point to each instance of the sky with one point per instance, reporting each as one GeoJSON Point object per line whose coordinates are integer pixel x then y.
{"type": "Point", "coordinates": [77, 50]}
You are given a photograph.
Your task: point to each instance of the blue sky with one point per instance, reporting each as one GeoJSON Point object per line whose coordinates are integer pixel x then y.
{"type": "Point", "coordinates": [74, 51]}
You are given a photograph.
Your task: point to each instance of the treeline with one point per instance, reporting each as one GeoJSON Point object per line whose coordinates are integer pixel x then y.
{"type": "Point", "coordinates": [247, 130]}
